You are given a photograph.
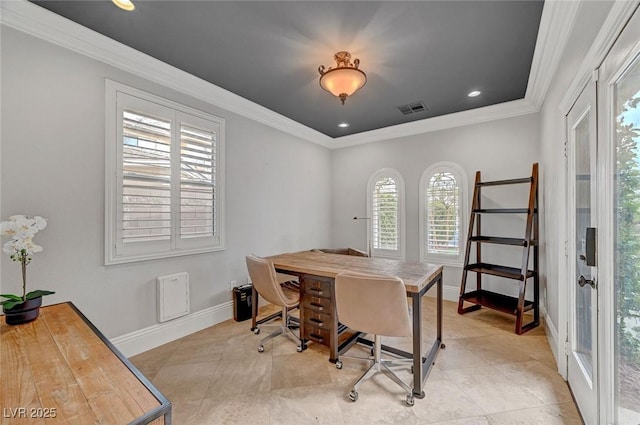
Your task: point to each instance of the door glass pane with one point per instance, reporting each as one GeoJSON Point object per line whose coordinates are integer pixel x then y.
{"type": "Point", "coordinates": [627, 245]}
{"type": "Point", "coordinates": [583, 343]}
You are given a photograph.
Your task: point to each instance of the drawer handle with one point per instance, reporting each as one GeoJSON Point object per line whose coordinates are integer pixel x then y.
{"type": "Point", "coordinates": [316, 290]}
{"type": "Point", "coordinates": [316, 337]}
{"type": "Point", "coordinates": [317, 306]}
{"type": "Point", "coordinates": [318, 322]}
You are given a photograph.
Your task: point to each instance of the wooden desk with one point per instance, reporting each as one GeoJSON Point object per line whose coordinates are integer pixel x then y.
{"type": "Point", "coordinates": [319, 321]}
{"type": "Point", "coordinates": [59, 369]}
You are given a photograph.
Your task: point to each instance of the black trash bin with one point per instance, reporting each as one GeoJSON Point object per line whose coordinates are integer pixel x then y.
{"type": "Point", "coordinates": [242, 302]}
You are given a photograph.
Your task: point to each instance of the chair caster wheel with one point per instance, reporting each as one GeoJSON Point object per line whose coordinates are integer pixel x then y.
{"type": "Point", "coordinates": [338, 364]}
{"type": "Point", "coordinates": [443, 346]}
{"type": "Point", "coordinates": [353, 395]}
{"type": "Point", "coordinates": [261, 349]}
{"type": "Point", "coordinates": [410, 400]}
{"type": "Point", "coordinates": [256, 331]}
{"type": "Point", "coordinates": [299, 348]}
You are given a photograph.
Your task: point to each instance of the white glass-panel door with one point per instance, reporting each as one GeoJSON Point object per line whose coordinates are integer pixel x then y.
{"type": "Point", "coordinates": [582, 359]}
{"type": "Point", "coordinates": [619, 144]}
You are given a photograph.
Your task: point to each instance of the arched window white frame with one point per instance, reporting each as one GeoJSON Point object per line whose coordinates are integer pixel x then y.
{"type": "Point", "coordinates": [386, 212]}
{"type": "Point", "coordinates": [443, 214]}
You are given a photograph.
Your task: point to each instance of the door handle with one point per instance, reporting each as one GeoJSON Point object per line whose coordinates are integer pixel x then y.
{"type": "Point", "coordinates": [584, 281]}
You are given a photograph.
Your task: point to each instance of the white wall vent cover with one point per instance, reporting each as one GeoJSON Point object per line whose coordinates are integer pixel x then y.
{"type": "Point", "coordinates": [173, 296]}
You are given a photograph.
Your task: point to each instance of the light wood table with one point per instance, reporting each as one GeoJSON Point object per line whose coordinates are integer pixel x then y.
{"type": "Point", "coordinates": [59, 369]}
{"type": "Point", "coordinates": [317, 272]}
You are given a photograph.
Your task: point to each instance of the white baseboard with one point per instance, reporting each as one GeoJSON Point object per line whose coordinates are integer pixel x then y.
{"type": "Point", "coordinates": [154, 336]}
{"type": "Point", "coordinates": [449, 293]}
{"type": "Point", "coordinates": [552, 335]}
{"type": "Point", "coordinates": [554, 343]}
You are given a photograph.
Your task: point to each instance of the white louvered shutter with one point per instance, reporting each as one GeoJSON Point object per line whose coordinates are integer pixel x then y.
{"type": "Point", "coordinates": [443, 215]}
{"type": "Point", "coordinates": [146, 178]}
{"type": "Point", "coordinates": [384, 225]}
{"type": "Point", "coordinates": [197, 182]}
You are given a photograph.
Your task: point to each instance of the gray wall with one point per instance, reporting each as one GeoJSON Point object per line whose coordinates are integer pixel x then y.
{"type": "Point", "coordinates": [552, 135]}
{"type": "Point", "coordinates": [500, 150]}
{"type": "Point", "coordinates": [53, 165]}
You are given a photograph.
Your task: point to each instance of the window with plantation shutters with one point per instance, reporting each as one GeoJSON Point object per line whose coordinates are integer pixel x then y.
{"type": "Point", "coordinates": [384, 225]}
{"type": "Point", "coordinates": [386, 214]}
{"type": "Point", "coordinates": [443, 221]}
{"type": "Point", "coordinates": [442, 211]}
{"type": "Point", "coordinates": [164, 181]}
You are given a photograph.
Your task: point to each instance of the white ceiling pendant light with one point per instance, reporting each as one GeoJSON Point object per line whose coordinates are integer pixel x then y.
{"type": "Point", "coordinates": [124, 4]}
{"type": "Point", "coordinates": [343, 80]}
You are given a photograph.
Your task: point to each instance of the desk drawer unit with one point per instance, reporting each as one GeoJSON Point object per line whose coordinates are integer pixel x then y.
{"type": "Point", "coordinates": [319, 320]}
{"type": "Point", "coordinates": [318, 288]}
{"type": "Point", "coordinates": [317, 304]}
{"type": "Point", "coordinates": [321, 336]}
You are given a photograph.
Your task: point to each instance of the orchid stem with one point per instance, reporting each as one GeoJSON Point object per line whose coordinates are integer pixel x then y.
{"type": "Point", "coordinates": [24, 278]}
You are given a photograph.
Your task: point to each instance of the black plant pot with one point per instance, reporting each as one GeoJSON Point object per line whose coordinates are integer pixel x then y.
{"type": "Point", "coordinates": [26, 312]}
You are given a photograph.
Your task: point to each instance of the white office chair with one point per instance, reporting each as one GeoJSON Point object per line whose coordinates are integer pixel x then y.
{"type": "Point", "coordinates": [375, 305]}
{"type": "Point", "coordinates": [265, 281]}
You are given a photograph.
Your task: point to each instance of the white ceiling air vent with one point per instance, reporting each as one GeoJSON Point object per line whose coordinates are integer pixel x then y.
{"type": "Point", "coordinates": [412, 108]}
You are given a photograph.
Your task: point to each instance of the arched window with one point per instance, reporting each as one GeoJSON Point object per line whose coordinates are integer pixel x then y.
{"type": "Point", "coordinates": [386, 213]}
{"type": "Point", "coordinates": [443, 212]}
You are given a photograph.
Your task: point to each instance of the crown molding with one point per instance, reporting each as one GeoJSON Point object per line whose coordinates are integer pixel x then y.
{"type": "Point", "coordinates": [39, 22]}
{"type": "Point", "coordinates": [556, 24]}
{"type": "Point", "coordinates": [458, 119]}
{"type": "Point", "coordinates": [616, 20]}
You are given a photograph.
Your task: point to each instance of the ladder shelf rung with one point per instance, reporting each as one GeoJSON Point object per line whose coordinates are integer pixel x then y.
{"type": "Point", "coordinates": [505, 182]}
{"type": "Point", "coordinates": [501, 271]}
{"type": "Point", "coordinates": [501, 241]}
{"type": "Point", "coordinates": [503, 211]}
{"type": "Point", "coordinates": [495, 301]}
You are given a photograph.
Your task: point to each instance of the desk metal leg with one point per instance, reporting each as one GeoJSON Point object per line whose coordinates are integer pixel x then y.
{"type": "Point", "coordinates": [416, 306]}
{"type": "Point", "coordinates": [254, 309]}
{"type": "Point", "coordinates": [422, 366]}
{"type": "Point", "coordinates": [439, 302]}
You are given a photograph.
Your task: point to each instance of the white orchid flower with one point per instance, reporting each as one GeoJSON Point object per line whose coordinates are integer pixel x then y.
{"type": "Point", "coordinates": [8, 248]}
{"type": "Point", "coordinates": [31, 247]}
{"type": "Point", "coordinates": [40, 222]}
{"type": "Point", "coordinates": [8, 228]}
{"type": "Point", "coordinates": [25, 224]}
{"type": "Point", "coordinates": [22, 229]}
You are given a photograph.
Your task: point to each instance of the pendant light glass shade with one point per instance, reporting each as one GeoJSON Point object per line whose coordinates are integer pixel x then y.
{"type": "Point", "coordinates": [343, 80]}
{"type": "Point", "coordinates": [124, 4]}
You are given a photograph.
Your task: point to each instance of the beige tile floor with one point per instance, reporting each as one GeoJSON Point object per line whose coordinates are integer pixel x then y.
{"type": "Point", "coordinates": [485, 375]}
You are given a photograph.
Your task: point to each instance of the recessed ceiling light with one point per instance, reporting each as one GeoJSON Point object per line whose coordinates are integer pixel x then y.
{"type": "Point", "coordinates": [343, 125]}
{"type": "Point", "coordinates": [124, 4]}
{"type": "Point", "coordinates": [474, 93]}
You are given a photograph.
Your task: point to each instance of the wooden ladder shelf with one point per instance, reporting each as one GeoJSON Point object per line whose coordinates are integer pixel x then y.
{"type": "Point", "coordinates": [479, 297]}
